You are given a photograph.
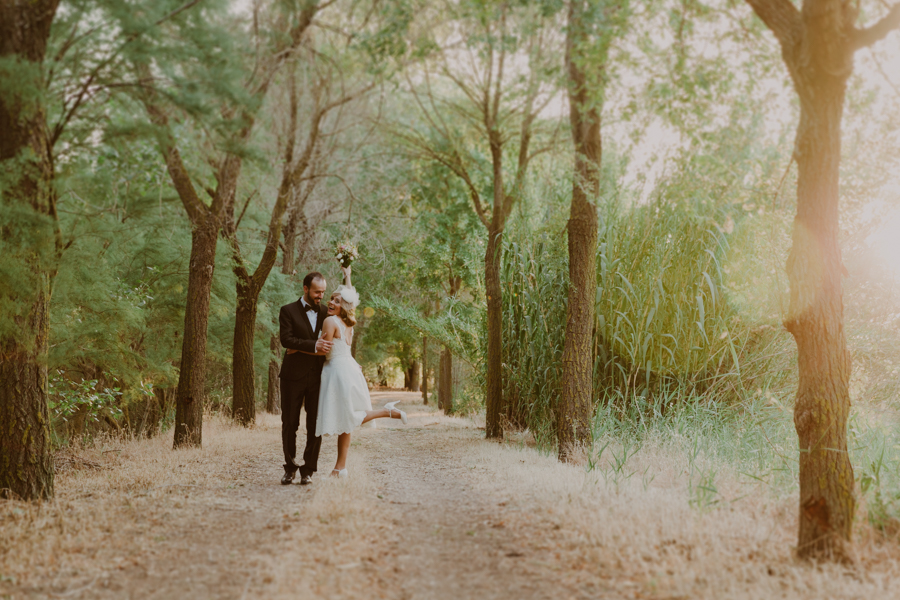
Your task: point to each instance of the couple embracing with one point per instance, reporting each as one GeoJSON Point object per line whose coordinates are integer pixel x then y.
{"type": "Point", "coordinates": [318, 372]}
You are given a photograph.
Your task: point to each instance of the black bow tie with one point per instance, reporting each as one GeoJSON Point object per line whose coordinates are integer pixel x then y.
{"type": "Point", "coordinates": [308, 307]}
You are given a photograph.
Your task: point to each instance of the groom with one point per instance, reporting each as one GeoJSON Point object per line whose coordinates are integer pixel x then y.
{"type": "Point", "coordinates": [301, 373]}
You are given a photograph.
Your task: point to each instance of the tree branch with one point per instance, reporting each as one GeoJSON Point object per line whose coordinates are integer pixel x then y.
{"type": "Point", "coordinates": [195, 208]}
{"type": "Point", "coordinates": [498, 91]}
{"type": "Point", "coordinates": [246, 204]}
{"type": "Point", "coordinates": [79, 98]}
{"type": "Point", "coordinates": [781, 17]}
{"type": "Point", "coordinates": [863, 38]}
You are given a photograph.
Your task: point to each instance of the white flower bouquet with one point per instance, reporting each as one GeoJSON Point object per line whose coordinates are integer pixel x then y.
{"type": "Point", "coordinates": [346, 254]}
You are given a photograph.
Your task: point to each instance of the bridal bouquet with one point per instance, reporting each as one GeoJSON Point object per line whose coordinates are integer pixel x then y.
{"type": "Point", "coordinates": [346, 254]}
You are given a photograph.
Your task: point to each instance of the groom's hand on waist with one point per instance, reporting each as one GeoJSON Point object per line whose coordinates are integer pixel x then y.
{"type": "Point", "coordinates": [323, 345]}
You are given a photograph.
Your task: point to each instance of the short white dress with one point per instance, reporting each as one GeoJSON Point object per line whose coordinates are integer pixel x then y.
{"type": "Point", "coordinates": [344, 394]}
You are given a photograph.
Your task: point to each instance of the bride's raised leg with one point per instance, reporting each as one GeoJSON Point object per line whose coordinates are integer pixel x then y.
{"type": "Point", "coordinates": [385, 413]}
{"type": "Point", "coordinates": [375, 414]}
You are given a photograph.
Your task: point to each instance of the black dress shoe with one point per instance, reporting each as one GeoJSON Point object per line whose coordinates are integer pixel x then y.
{"type": "Point", "coordinates": [305, 479]}
{"type": "Point", "coordinates": [288, 477]}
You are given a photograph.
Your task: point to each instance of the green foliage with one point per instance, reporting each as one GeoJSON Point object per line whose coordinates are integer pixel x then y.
{"type": "Point", "coordinates": [21, 85]}
{"type": "Point", "coordinates": [454, 329]}
{"type": "Point", "coordinates": [70, 397]}
{"type": "Point", "coordinates": [391, 40]}
{"type": "Point", "coordinates": [535, 283]}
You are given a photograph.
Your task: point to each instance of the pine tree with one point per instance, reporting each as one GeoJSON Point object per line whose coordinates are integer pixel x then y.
{"type": "Point", "coordinates": [207, 221]}
{"type": "Point", "coordinates": [29, 243]}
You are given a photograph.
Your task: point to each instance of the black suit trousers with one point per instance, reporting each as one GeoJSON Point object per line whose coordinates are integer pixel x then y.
{"type": "Point", "coordinates": [295, 394]}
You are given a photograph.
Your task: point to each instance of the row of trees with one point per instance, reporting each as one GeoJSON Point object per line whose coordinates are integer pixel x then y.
{"type": "Point", "coordinates": [482, 98]}
{"type": "Point", "coordinates": [210, 91]}
{"type": "Point", "coordinates": [498, 110]}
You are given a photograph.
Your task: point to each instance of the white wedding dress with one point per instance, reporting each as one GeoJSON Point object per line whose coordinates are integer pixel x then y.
{"type": "Point", "coordinates": [343, 395]}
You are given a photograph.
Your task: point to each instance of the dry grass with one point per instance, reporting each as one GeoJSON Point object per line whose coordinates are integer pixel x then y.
{"type": "Point", "coordinates": [137, 513]}
{"type": "Point", "coordinates": [135, 518]}
{"type": "Point", "coordinates": [649, 528]}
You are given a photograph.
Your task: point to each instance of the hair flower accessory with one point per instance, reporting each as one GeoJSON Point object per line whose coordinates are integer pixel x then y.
{"type": "Point", "coordinates": [349, 295]}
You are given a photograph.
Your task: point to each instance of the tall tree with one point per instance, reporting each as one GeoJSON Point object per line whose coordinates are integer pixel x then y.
{"type": "Point", "coordinates": [591, 28]}
{"type": "Point", "coordinates": [425, 371]}
{"type": "Point", "coordinates": [444, 232]}
{"type": "Point", "coordinates": [818, 42]}
{"type": "Point", "coordinates": [288, 29]}
{"type": "Point", "coordinates": [297, 222]}
{"type": "Point", "coordinates": [290, 191]}
{"type": "Point", "coordinates": [26, 193]}
{"type": "Point", "coordinates": [499, 100]}
{"type": "Point", "coordinates": [445, 368]}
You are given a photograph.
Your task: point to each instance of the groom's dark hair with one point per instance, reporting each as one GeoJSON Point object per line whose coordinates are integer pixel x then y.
{"type": "Point", "coordinates": [307, 281]}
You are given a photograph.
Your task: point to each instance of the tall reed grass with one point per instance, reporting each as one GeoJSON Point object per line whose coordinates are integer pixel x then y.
{"type": "Point", "coordinates": [664, 332]}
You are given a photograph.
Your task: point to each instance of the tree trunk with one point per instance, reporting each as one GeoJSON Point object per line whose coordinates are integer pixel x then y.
{"type": "Point", "coordinates": [412, 376]}
{"type": "Point", "coordinates": [816, 320]}
{"type": "Point", "coordinates": [189, 398]}
{"type": "Point", "coordinates": [289, 255]}
{"type": "Point", "coordinates": [494, 396]}
{"type": "Point", "coordinates": [425, 370]}
{"type": "Point", "coordinates": [575, 405]}
{"type": "Point", "coordinates": [26, 469]}
{"type": "Point", "coordinates": [354, 345]}
{"type": "Point", "coordinates": [26, 181]}
{"type": "Point", "coordinates": [243, 368]}
{"type": "Point", "coordinates": [445, 382]}
{"type": "Point", "coordinates": [817, 45]}
{"type": "Point", "coordinates": [273, 392]}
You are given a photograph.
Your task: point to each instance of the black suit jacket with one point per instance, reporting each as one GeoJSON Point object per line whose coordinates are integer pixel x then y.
{"type": "Point", "coordinates": [296, 333]}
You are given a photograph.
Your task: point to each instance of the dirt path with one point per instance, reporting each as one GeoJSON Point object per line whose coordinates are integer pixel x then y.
{"type": "Point", "coordinates": [420, 518]}
{"type": "Point", "coordinates": [454, 542]}
{"type": "Point", "coordinates": [431, 511]}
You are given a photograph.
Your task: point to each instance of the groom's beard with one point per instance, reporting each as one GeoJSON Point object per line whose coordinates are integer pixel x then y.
{"type": "Point", "coordinates": [311, 301]}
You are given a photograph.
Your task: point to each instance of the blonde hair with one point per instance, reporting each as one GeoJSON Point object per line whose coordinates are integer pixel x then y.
{"type": "Point", "coordinates": [348, 316]}
{"type": "Point", "coordinates": [348, 312]}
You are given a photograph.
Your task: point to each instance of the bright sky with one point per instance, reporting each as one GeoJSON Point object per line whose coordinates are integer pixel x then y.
{"type": "Point", "coordinates": [877, 70]}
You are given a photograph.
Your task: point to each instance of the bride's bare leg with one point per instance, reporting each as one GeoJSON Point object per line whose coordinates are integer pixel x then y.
{"type": "Point", "coordinates": [343, 450]}
{"type": "Point", "coordinates": [381, 414]}
{"type": "Point", "coordinates": [375, 414]}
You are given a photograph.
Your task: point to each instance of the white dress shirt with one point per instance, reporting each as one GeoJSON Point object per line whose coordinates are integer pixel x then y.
{"type": "Point", "coordinates": [312, 315]}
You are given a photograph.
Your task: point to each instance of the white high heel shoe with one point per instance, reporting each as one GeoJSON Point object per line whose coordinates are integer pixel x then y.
{"type": "Point", "coordinates": [340, 473]}
{"type": "Point", "coordinates": [390, 408]}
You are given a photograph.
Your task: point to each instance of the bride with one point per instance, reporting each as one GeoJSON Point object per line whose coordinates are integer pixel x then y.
{"type": "Point", "coordinates": [344, 402]}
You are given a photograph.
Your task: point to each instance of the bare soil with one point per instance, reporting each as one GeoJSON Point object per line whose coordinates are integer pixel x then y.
{"type": "Point", "coordinates": [431, 510]}
{"type": "Point", "coordinates": [452, 533]}
{"type": "Point", "coordinates": [417, 519]}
